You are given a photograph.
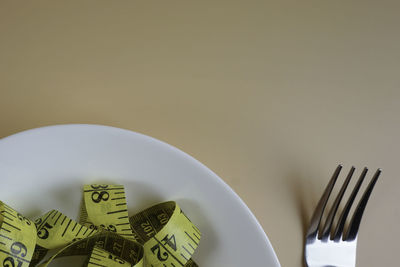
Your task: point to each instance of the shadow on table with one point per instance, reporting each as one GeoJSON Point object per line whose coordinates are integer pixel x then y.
{"type": "Point", "coordinates": [304, 196]}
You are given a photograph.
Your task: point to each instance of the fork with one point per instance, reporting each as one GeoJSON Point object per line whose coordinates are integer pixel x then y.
{"type": "Point", "coordinates": [335, 246]}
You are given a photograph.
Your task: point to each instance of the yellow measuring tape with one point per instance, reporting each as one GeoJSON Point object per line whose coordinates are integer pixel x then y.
{"type": "Point", "coordinates": [161, 235]}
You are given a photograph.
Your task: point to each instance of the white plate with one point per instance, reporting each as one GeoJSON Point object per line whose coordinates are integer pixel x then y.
{"type": "Point", "coordinates": [44, 168]}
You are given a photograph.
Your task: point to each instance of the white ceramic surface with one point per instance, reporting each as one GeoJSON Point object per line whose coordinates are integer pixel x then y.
{"type": "Point", "coordinates": [44, 168]}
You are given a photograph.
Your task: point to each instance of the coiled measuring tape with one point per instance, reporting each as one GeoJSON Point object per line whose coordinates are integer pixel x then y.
{"type": "Point", "coordinates": [161, 235]}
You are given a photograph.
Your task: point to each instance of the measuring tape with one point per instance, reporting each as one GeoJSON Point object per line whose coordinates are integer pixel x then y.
{"type": "Point", "coordinates": [102, 257]}
{"type": "Point", "coordinates": [105, 206]}
{"type": "Point", "coordinates": [117, 250]}
{"type": "Point", "coordinates": [17, 238]}
{"type": "Point", "coordinates": [161, 235]}
{"type": "Point", "coordinates": [167, 235]}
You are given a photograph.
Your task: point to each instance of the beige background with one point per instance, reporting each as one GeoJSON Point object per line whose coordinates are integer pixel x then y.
{"type": "Point", "coordinates": [271, 95]}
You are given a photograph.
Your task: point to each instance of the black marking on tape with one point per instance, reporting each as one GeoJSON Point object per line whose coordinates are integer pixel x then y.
{"type": "Point", "coordinates": [66, 227]}
{"type": "Point", "coordinates": [8, 218]}
{"type": "Point", "coordinates": [54, 215]}
{"type": "Point", "coordinates": [196, 236]}
{"type": "Point", "coordinates": [79, 230]}
{"type": "Point", "coordinates": [103, 189]}
{"type": "Point", "coordinates": [191, 238]}
{"type": "Point", "coordinates": [65, 217]}
{"type": "Point", "coordinates": [117, 198]}
{"type": "Point", "coordinates": [6, 237]}
{"type": "Point", "coordinates": [191, 246]}
{"type": "Point", "coordinates": [73, 228]}
{"type": "Point", "coordinates": [121, 224]}
{"type": "Point", "coordinates": [58, 218]}
{"type": "Point", "coordinates": [190, 253]}
{"type": "Point", "coordinates": [173, 256]}
{"type": "Point", "coordinates": [197, 230]}
{"type": "Point", "coordinates": [8, 207]}
{"type": "Point", "coordinates": [94, 229]}
{"type": "Point", "coordinates": [184, 257]}
{"type": "Point", "coordinates": [120, 204]}
{"type": "Point", "coordinates": [123, 217]}
{"type": "Point", "coordinates": [117, 211]}
{"type": "Point", "coordinates": [6, 211]}
{"type": "Point", "coordinates": [15, 227]}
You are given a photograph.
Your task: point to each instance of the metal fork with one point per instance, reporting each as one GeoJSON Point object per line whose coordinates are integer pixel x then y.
{"type": "Point", "coordinates": [333, 245]}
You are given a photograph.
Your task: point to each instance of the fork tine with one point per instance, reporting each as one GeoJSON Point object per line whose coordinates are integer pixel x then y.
{"type": "Point", "coordinates": [319, 210]}
{"type": "Point", "coordinates": [356, 219]}
{"type": "Point", "coordinates": [342, 219]}
{"type": "Point", "coordinates": [329, 220]}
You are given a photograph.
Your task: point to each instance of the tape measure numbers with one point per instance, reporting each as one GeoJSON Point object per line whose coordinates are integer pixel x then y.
{"type": "Point", "coordinates": [169, 238]}
{"type": "Point", "coordinates": [120, 249]}
{"type": "Point", "coordinates": [105, 206]}
{"type": "Point", "coordinates": [161, 235]}
{"type": "Point", "coordinates": [17, 238]}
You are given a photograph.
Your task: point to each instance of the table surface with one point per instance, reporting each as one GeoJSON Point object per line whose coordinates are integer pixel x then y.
{"type": "Point", "coordinates": [271, 95]}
